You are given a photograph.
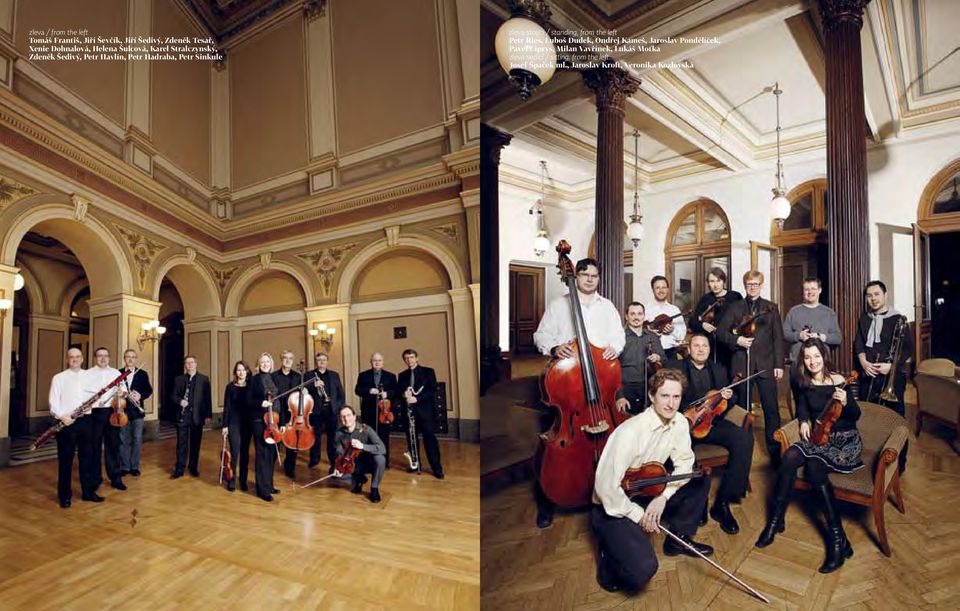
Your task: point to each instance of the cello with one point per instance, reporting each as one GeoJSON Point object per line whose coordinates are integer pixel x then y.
{"type": "Point", "coordinates": [299, 434]}
{"type": "Point", "coordinates": [582, 390]}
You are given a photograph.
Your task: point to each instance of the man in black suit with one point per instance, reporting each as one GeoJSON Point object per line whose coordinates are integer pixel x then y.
{"type": "Point", "coordinates": [765, 352]}
{"type": "Point", "coordinates": [704, 375]}
{"type": "Point", "coordinates": [372, 385]}
{"type": "Point", "coordinates": [328, 397]}
{"type": "Point", "coordinates": [131, 436]}
{"type": "Point", "coordinates": [418, 387]}
{"type": "Point", "coordinates": [191, 393]}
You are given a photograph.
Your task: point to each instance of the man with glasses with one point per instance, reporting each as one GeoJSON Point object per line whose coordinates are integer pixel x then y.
{"type": "Point", "coordinates": [555, 336]}
{"type": "Point", "coordinates": [809, 319]}
{"type": "Point", "coordinates": [762, 352]}
{"type": "Point", "coordinates": [328, 397]}
{"type": "Point", "coordinates": [66, 395]}
{"type": "Point", "coordinates": [131, 436]}
{"type": "Point", "coordinates": [191, 395]}
{"type": "Point", "coordinates": [104, 436]}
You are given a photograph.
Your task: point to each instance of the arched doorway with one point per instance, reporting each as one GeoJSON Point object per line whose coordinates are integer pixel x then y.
{"type": "Point", "coordinates": [698, 239]}
{"type": "Point", "coordinates": [803, 243]}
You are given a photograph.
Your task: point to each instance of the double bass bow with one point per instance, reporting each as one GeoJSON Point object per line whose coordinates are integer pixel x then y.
{"type": "Point", "coordinates": [582, 389]}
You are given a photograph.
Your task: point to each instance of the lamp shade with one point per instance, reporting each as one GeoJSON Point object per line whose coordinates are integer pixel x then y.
{"type": "Point", "coordinates": [18, 282]}
{"type": "Point", "coordinates": [635, 231]}
{"type": "Point", "coordinates": [781, 207]}
{"type": "Point", "coordinates": [541, 244]}
{"type": "Point", "coordinates": [523, 46]}
{"type": "Point", "coordinates": [5, 304]}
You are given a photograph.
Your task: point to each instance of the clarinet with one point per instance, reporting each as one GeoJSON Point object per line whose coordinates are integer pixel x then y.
{"type": "Point", "coordinates": [186, 397]}
{"type": "Point", "coordinates": [413, 456]}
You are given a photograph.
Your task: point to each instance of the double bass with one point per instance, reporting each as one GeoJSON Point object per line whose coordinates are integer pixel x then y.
{"type": "Point", "coordinates": [582, 390]}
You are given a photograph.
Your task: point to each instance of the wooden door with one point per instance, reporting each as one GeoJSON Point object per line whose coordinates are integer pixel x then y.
{"type": "Point", "coordinates": [922, 326]}
{"type": "Point", "coordinates": [526, 306]}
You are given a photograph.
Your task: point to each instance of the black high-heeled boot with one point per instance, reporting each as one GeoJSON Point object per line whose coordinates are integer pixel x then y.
{"type": "Point", "coordinates": [838, 547]}
{"type": "Point", "coordinates": [777, 521]}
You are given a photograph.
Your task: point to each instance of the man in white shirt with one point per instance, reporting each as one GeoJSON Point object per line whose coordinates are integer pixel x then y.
{"type": "Point", "coordinates": [555, 336]}
{"type": "Point", "coordinates": [104, 435]}
{"type": "Point", "coordinates": [66, 395]}
{"type": "Point", "coordinates": [676, 330]}
{"type": "Point", "coordinates": [627, 558]}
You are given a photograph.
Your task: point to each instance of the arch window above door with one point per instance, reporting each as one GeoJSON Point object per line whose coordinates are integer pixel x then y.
{"type": "Point", "coordinates": [698, 239]}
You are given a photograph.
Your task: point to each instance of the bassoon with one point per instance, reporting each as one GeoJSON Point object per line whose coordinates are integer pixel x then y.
{"type": "Point", "coordinates": [77, 413]}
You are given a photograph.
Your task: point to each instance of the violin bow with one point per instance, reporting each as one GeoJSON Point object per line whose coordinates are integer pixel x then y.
{"type": "Point", "coordinates": [723, 570]}
{"type": "Point", "coordinates": [222, 456]}
{"type": "Point", "coordinates": [737, 383]}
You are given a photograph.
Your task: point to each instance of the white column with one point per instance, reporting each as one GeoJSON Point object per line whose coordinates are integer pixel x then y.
{"type": "Point", "coordinates": [320, 86]}
{"type": "Point", "coordinates": [7, 274]}
{"type": "Point", "coordinates": [221, 206]}
{"type": "Point", "coordinates": [468, 383]}
{"type": "Point", "coordinates": [138, 71]}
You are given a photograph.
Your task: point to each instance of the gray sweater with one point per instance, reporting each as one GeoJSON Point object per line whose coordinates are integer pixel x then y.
{"type": "Point", "coordinates": [371, 442]}
{"type": "Point", "coordinates": [820, 319]}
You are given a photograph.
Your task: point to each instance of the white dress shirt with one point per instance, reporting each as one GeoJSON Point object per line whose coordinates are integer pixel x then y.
{"type": "Point", "coordinates": [639, 440]}
{"type": "Point", "coordinates": [96, 378]}
{"type": "Point", "coordinates": [600, 317]}
{"type": "Point", "coordinates": [679, 326]}
{"type": "Point", "coordinates": [66, 392]}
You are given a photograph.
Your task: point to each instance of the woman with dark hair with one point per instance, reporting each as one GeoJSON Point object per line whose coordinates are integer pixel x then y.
{"type": "Point", "coordinates": [237, 423]}
{"type": "Point", "coordinates": [711, 307]}
{"type": "Point", "coordinates": [840, 454]}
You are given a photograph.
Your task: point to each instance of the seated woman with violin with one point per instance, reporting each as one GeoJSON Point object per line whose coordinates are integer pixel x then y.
{"type": "Point", "coordinates": [360, 446]}
{"type": "Point", "coordinates": [627, 558]}
{"type": "Point", "coordinates": [264, 414]}
{"type": "Point", "coordinates": [829, 441]}
{"type": "Point", "coordinates": [709, 312]}
{"type": "Point", "coordinates": [705, 402]}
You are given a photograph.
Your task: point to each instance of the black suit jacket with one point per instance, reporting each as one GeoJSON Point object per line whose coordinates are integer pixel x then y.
{"type": "Point", "coordinates": [767, 351]}
{"type": "Point", "coordinates": [333, 387]}
{"type": "Point", "coordinates": [140, 382]}
{"type": "Point", "coordinates": [716, 371]}
{"type": "Point", "coordinates": [425, 380]}
{"type": "Point", "coordinates": [200, 397]}
{"type": "Point", "coordinates": [368, 402]}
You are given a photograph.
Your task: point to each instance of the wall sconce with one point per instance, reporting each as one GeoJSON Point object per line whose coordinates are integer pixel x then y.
{"type": "Point", "coordinates": [150, 332]}
{"type": "Point", "coordinates": [323, 334]}
{"type": "Point", "coordinates": [5, 304]}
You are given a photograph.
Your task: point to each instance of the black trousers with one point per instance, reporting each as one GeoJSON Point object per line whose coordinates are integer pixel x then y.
{"type": "Point", "coordinates": [368, 463]}
{"type": "Point", "coordinates": [264, 456]}
{"type": "Point", "coordinates": [636, 394]}
{"type": "Point", "coordinates": [75, 439]}
{"type": "Point", "coordinates": [767, 388]}
{"type": "Point", "coordinates": [733, 485]}
{"type": "Point", "coordinates": [628, 549]}
{"type": "Point", "coordinates": [189, 436]}
{"type": "Point", "coordinates": [111, 450]}
{"type": "Point", "coordinates": [240, 435]}
{"type": "Point", "coordinates": [324, 423]}
{"type": "Point", "coordinates": [99, 421]}
{"type": "Point", "coordinates": [371, 417]}
{"type": "Point", "coordinates": [426, 428]}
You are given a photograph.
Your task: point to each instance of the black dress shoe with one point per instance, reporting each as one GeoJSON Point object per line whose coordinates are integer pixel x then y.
{"type": "Point", "coordinates": [266, 497]}
{"type": "Point", "coordinates": [605, 575]}
{"type": "Point", "coordinates": [231, 485]}
{"type": "Point", "coordinates": [124, 473]}
{"type": "Point", "coordinates": [176, 474]}
{"type": "Point", "coordinates": [65, 503]}
{"type": "Point", "coordinates": [313, 463]}
{"type": "Point", "coordinates": [357, 487]}
{"type": "Point", "coordinates": [722, 514]}
{"type": "Point", "coordinates": [243, 486]}
{"type": "Point", "coordinates": [135, 472]}
{"type": "Point", "coordinates": [195, 472]}
{"type": "Point", "coordinates": [438, 475]}
{"type": "Point", "coordinates": [118, 484]}
{"type": "Point", "coordinates": [275, 491]}
{"type": "Point", "coordinates": [93, 497]}
{"type": "Point", "coordinates": [544, 518]}
{"type": "Point", "coordinates": [672, 548]}
{"type": "Point", "coordinates": [374, 495]}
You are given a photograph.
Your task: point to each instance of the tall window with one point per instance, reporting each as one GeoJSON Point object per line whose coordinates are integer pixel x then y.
{"type": "Point", "coordinates": [698, 239]}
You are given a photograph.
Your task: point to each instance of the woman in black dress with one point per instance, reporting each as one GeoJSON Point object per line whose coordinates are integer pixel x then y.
{"type": "Point", "coordinates": [719, 295]}
{"type": "Point", "coordinates": [264, 454]}
{"type": "Point", "coordinates": [840, 454]}
{"type": "Point", "coordinates": [237, 423]}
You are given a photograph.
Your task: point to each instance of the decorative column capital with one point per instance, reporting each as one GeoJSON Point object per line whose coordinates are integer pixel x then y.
{"type": "Point", "coordinates": [611, 85]}
{"type": "Point", "coordinates": [492, 141]}
{"type": "Point", "coordinates": [835, 12]}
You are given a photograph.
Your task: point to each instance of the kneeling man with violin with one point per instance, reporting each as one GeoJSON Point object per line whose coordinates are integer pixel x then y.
{"type": "Point", "coordinates": [359, 450]}
{"type": "Point", "coordinates": [633, 490]}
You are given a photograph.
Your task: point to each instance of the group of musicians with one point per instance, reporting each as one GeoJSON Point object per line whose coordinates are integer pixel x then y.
{"type": "Point", "coordinates": [83, 400]}
{"type": "Point", "coordinates": [664, 370]}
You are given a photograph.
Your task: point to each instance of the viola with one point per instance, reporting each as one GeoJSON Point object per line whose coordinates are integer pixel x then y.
{"type": "Point", "coordinates": [384, 413]}
{"type": "Point", "coordinates": [347, 462]}
{"type": "Point", "coordinates": [710, 314]}
{"type": "Point", "coordinates": [747, 327]}
{"type": "Point", "coordinates": [652, 368]}
{"type": "Point", "coordinates": [650, 479]}
{"type": "Point", "coordinates": [118, 417]}
{"type": "Point", "coordinates": [271, 434]}
{"type": "Point", "coordinates": [702, 412]}
{"type": "Point", "coordinates": [299, 434]}
{"type": "Point", "coordinates": [226, 462]}
{"type": "Point", "coordinates": [831, 413]}
{"type": "Point", "coordinates": [658, 324]}
{"type": "Point", "coordinates": [582, 391]}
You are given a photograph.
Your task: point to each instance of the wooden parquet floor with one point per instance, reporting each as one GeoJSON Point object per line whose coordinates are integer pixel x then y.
{"type": "Point", "coordinates": [526, 568]}
{"type": "Point", "coordinates": [193, 545]}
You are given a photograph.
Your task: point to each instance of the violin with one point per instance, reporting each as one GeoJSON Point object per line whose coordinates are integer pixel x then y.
{"type": "Point", "coordinates": [271, 434]}
{"type": "Point", "coordinates": [658, 324]}
{"type": "Point", "coordinates": [226, 462]}
{"type": "Point", "coordinates": [582, 391]}
{"type": "Point", "coordinates": [747, 327]}
{"type": "Point", "coordinates": [831, 413]}
{"type": "Point", "coordinates": [702, 412]}
{"type": "Point", "coordinates": [683, 351]}
{"type": "Point", "coordinates": [650, 479]}
{"type": "Point", "coordinates": [710, 314]}
{"type": "Point", "coordinates": [347, 462]}
{"type": "Point", "coordinates": [384, 413]}
{"type": "Point", "coordinates": [299, 434]}
{"type": "Point", "coordinates": [118, 417]}
{"type": "Point", "coordinates": [652, 367]}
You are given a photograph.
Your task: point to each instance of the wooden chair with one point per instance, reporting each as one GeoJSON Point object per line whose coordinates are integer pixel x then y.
{"type": "Point", "coordinates": [938, 393]}
{"type": "Point", "coordinates": [884, 433]}
{"type": "Point", "coordinates": [710, 456]}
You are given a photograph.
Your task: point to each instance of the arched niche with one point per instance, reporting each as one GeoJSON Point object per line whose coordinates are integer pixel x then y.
{"type": "Point", "coordinates": [272, 291]}
{"type": "Point", "coordinates": [398, 273]}
{"type": "Point", "coordinates": [239, 287]}
{"type": "Point", "coordinates": [939, 208]}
